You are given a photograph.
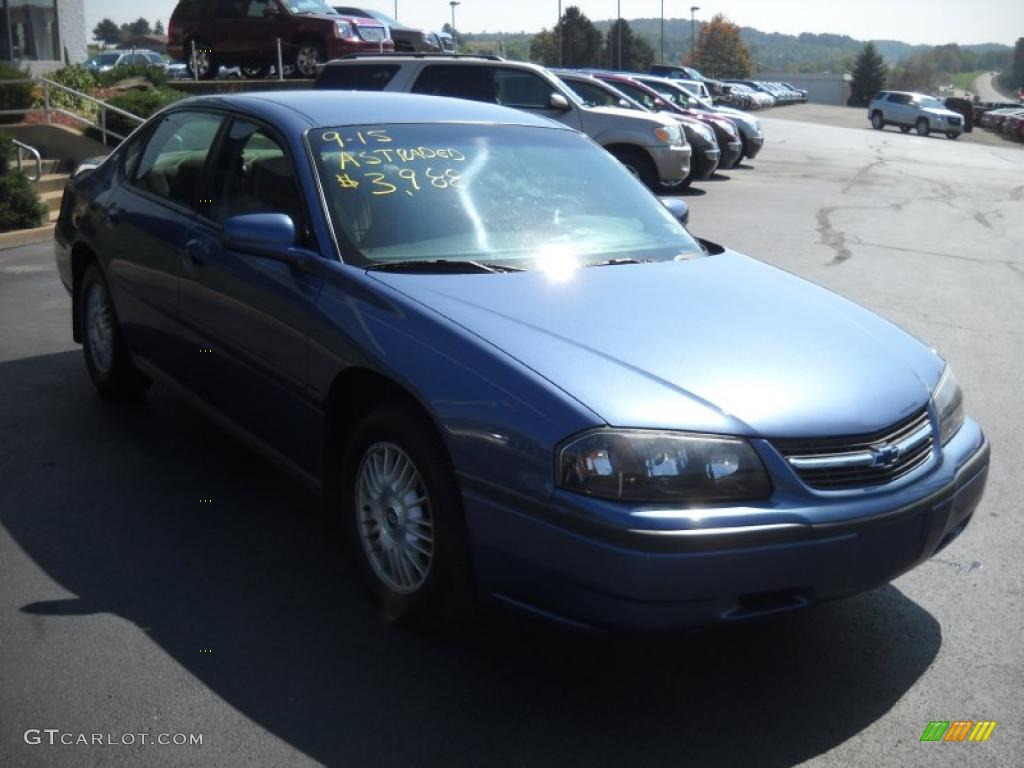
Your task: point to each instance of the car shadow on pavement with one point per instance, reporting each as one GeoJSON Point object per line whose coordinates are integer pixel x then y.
{"type": "Point", "coordinates": [108, 503]}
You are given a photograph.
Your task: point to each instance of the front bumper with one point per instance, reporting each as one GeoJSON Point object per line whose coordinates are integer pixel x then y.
{"type": "Point", "coordinates": [705, 162]}
{"type": "Point", "coordinates": [574, 569]}
{"type": "Point", "coordinates": [672, 162]}
{"type": "Point", "coordinates": [753, 145]}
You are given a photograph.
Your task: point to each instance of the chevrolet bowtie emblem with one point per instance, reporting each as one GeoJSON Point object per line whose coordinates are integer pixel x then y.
{"type": "Point", "coordinates": [885, 454]}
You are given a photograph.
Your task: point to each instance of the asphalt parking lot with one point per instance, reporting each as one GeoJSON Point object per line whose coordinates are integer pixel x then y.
{"type": "Point", "coordinates": [129, 606]}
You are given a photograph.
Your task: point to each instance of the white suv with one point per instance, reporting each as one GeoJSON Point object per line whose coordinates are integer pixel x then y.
{"type": "Point", "coordinates": [914, 111]}
{"type": "Point", "coordinates": [653, 147]}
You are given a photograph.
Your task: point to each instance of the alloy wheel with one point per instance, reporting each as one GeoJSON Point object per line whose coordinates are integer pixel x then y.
{"type": "Point", "coordinates": [395, 521]}
{"type": "Point", "coordinates": [99, 320]}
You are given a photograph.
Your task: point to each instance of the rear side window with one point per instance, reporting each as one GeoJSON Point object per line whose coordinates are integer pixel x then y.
{"type": "Point", "coordinates": [518, 88]}
{"type": "Point", "coordinates": [172, 163]}
{"type": "Point", "coordinates": [229, 9]}
{"type": "Point", "coordinates": [468, 82]}
{"type": "Point", "coordinates": [362, 77]}
{"type": "Point", "coordinates": [189, 10]}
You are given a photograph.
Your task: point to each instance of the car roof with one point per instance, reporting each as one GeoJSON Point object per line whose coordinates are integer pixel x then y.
{"type": "Point", "coordinates": [304, 109]}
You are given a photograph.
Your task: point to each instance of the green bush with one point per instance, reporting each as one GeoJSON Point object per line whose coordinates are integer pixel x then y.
{"type": "Point", "coordinates": [81, 79]}
{"type": "Point", "coordinates": [14, 96]}
{"type": "Point", "coordinates": [155, 75]}
{"type": "Point", "coordinates": [19, 204]}
{"type": "Point", "coordinates": [140, 103]}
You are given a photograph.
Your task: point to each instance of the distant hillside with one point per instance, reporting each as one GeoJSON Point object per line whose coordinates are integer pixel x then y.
{"type": "Point", "coordinates": [772, 51]}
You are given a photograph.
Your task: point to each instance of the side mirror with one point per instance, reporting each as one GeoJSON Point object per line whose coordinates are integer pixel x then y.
{"type": "Point", "coordinates": [271, 235]}
{"type": "Point", "coordinates": [625, 104]}
{"type": "Point", "coordinates": [677, 208]}
{"type": "Point", "coordinates": [559, 102]}
{"type": "Point", "coordinates": [271, 11]}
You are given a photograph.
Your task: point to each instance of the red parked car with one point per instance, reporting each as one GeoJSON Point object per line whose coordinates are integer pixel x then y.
{"type": "Point", "coordinates": [244, 33]}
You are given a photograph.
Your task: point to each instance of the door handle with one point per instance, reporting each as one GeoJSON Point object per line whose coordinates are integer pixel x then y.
{"type": "Point", "coordinates": [196, 253]}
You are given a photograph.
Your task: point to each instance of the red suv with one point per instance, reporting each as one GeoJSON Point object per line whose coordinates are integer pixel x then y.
{"type": "Point", "coordinates": [245, 33]}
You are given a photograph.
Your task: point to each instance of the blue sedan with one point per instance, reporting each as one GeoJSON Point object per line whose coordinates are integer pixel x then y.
{"type": "Point", "coordinates": [508, 368]}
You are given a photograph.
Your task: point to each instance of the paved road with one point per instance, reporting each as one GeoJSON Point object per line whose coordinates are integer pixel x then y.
{"type": "Point", "coordinates": [116, 580]}
{"type": "Point", "coordinates": [856, 118]}
{"type": "Point", "coordinates": [986, 89]}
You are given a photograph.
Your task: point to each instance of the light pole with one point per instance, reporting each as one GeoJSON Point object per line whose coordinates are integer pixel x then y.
{"type": "Point", "coordinates": [559, 28]}
{"type": "Point", "coordinates": [619, 22]}
{"type": "Point", "coordinates": [662, 31]}
{"type": "Point", "coordinates": [693, 34]}
{"type": "Point", "coordinates": [455, 39]}
{"type": "Point", "coordinates": [396, 10]}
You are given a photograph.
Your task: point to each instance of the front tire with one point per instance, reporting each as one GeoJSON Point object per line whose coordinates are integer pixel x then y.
{"type": "Point", "coordinates": [639, 164]}
{"type": "Point", "coordinates": [922, 127]}
{"type": "Point", "coordinates": [106, 353]}
{"type": "Point", "coordinates": [876, 121]}
{"type": "Point", "coordinates": [403, 514]}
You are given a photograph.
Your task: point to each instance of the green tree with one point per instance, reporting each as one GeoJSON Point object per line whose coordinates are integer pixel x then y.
{"type": "Point", "coordinates": [581, 42]}
{"type": "Point", "coordinates": [107, 32]}
{"type": "Point", "coordinates": [720, 50]}
{"type": "Point", "coordinates": [138, 27]}
{"type": "Point", "coordinates": [158, 28]}
{"type": "Point", "coordinates": [1013, 75]}
{"type": "Point", "coordinates": [637, 53]}
{"type": "Point", "coordinates": [869, 73]}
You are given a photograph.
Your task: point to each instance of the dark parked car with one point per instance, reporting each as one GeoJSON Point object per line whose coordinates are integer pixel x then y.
{"type": "Point", "coordinates": [507, 366]}
{"type": "Point", "coordinates": [963, 107]}
{"type": "Point", "coordinates": [406, 39]}
{"type": "Point", "coordinates": [245, 33]}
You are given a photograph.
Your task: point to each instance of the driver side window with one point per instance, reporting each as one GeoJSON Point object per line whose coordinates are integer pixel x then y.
{"type": "Point", "coordinates": [255, 175]}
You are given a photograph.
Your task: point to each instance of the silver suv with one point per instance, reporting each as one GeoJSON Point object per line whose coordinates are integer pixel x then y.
{"type": "Point", "coordinates": [653, 147]}
{"type": "Point", "coordinates": [914, 111]}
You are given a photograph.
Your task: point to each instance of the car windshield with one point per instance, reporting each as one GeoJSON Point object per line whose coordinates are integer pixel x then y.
{"type": "Point", "coordinates": [927, 102]}
{"type": "Point", "coordinates": [309, 6]}
{"type": "Point", "coordinates": [514, 196]}
{"type": "Point", "coordinates": [106, 59]}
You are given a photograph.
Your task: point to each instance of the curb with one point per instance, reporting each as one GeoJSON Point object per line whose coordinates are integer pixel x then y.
{"type": "Point", "coordinates": [22, 237]}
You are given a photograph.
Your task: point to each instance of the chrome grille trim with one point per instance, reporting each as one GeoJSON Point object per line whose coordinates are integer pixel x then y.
{"type": "Point", "coordinates": [371, 34]}
{"type": "Point", "coordinates": [864, 460]}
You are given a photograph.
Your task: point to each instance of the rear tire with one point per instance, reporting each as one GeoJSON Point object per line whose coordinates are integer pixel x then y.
{"type": "Point", "coordinates": [402, 511]}
{"type": "Point", "coordinates": [876, 120]}
{"type": "Point", "coordinates": [106, 352]}
{"type": "Point", "coordinates": [205, 63]}
{"type": "Point", "coordinates": [639, 164]}
{"type": "Point", "coordinates": [308, 56]}
{"type": "Point", "coordinates": [922, 127]}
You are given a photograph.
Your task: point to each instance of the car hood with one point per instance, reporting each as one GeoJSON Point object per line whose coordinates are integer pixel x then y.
{"type": "Point", "coordinates": [721, 344]}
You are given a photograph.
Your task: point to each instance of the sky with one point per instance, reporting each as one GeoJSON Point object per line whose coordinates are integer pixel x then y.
{"type": "Point", "coordinates": [932, 22]}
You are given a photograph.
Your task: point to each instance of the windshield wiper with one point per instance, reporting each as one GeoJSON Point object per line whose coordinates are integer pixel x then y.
{"type": "Point", "coordinates": [453, 266]}
{"type": "Point", "coordinates": [616, 262]}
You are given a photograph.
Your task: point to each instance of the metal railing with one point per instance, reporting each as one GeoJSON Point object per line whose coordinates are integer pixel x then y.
{"type": "Point", "coordinates": [49, 86]}
{"type": "Point", "coordinates": [22, 148]}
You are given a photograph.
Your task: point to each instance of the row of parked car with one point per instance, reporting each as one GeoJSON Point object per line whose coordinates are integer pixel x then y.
{"type": "Point", "coordinates": [1007, 119]}
{"type": "Point", "coordinates": [664, 133]}
{"type": "Point", "coordinates": [734, 92]}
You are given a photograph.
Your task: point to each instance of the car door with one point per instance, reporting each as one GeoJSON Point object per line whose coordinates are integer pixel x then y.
{"type": "Point", "coordinates": [252, 313]}
{"type": "Point", "coordinates": [253, 34]}
{"type": "Point", "coordinates": [228, 16]}
{"type": "Point", "coordinates": [144, 228]}
{"type": "Point", "coordinates": [896, 108]}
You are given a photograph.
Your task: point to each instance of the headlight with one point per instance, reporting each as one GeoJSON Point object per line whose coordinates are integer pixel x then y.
{"type": "Point", "coordinates": [949, 405]}
{"type": "Point", "coordinates": [647, 466]}
{"type": "Point", "coordinates": [668, 134]}
{"type": "Point", "coordinates": [344, 30]}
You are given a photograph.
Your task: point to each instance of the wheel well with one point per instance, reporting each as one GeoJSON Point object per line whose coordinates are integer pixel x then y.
{"type": "Point", "coordinates": [354, 393]}
{"type": "Point", "coordinates": [81, 257]}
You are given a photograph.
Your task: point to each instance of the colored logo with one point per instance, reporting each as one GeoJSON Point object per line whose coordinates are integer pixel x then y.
{"type": "Point", "coordinates": [958, 730]}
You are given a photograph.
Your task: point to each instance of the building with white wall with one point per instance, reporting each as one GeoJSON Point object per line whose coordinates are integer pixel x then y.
{"type": "Point", "coordinates": [43, 34]}
{"type": "Point", "coordinates": [821, 88]}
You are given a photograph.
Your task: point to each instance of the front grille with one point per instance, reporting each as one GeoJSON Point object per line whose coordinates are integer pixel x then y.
{"type": "Point", "coordinates": [370, 34]}
{"type": "Point", "coordinates": [861, 461]}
